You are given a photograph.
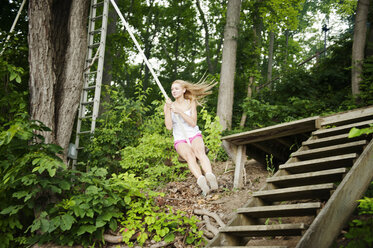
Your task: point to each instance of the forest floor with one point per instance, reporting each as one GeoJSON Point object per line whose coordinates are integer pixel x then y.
{"type": "Point", "coordinates": [186, 195]}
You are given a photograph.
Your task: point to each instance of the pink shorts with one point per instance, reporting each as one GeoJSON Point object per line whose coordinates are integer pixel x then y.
{"type": "Point", "coordinates": [184, 141]}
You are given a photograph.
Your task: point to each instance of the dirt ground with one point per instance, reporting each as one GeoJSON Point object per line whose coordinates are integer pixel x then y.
{"type": "Point", "coordinates": [187, 196]}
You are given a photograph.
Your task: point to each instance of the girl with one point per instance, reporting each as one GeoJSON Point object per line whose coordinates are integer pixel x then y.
{"type": "Point", "coordinates": [184, 108]}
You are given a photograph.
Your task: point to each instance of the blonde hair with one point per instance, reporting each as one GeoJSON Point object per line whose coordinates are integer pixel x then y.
{"type": "Point", "coordinates": [196, 91]}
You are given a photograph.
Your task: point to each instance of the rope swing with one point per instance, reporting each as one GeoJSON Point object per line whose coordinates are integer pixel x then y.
{"type": "Point", "coordinates": [148, 64]}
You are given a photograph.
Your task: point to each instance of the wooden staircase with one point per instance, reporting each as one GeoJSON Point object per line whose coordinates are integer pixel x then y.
{"type": "Point", "coordinates": [312, 195]}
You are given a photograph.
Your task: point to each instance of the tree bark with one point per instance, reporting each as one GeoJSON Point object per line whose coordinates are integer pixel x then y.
{"type": "Point", "coordinates": [57, 48]}
{"type": "Point", "coordinates": [358, 45]}
{"type": "Point", "coordinates": [228, 68]}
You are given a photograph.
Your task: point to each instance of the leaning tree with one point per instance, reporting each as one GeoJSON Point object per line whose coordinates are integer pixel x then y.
{"type": "Point", "coordinates": [57, 48]}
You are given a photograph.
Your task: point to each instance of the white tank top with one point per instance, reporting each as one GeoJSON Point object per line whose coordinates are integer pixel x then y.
{"type": "Point", "coordinates": [177, 131]}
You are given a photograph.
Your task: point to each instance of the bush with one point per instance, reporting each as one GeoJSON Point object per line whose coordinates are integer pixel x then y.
{"type": "Point", "coordinates": [42, 201]}
{"type": "Point", "coordinates": [360, 234]}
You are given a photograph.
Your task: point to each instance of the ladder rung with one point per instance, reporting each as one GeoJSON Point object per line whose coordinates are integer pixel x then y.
{"type": "Point", "coordinates": [89, 88]}
{"type": "Point", "coordinates": [94, 45]}
{"type": "Point", "coordinates": [97, 4]}
{"type": "Point", "coordinates": [85, 117]}
{"type": "Point", "coordinates": [96, 18]}
{"type": "Point", "coordinates": [91, 72]}
{"type": "Point", "coordinates": [95, 31]}
{"type": "Point", "coordinates": [87, 103]}
{"type": "Point", "coordinates": [84, 132]}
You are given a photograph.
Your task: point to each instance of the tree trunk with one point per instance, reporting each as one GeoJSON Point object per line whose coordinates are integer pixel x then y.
{"type": "Point", "coordinates": [207, 35]}
{"type": "Point", "coordinates": [270, 58]}
{"type": "Point", "coordinates": [358, 45]}
{"type": "Point", "coordinates": [228, 68]}
{"type": "Point", "coordinates": [57, 48]}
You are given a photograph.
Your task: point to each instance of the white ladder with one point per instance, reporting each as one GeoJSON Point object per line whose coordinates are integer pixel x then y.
{"type": "Point", "coordinates": [90, 98]}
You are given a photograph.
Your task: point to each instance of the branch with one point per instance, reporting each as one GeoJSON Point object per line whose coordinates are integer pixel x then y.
{"type": "Point", "coordinates": [213, 215]}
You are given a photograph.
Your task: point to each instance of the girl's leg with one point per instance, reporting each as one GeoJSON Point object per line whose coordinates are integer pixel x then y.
{"type": "Point", "coordinates": [187, 153]}
{"type": "Point", "coordinates": [184, 150]}
{"type": "Point", "coordinates": [199, 150]}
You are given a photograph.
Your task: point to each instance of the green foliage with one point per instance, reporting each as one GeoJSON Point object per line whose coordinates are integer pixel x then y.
{"type": "Point", "coordinates": [301, 92]}
{"type": "Point", "coordinates": [366, 86]}
{"type": "Point", "coordinates": [13, 102]}
{"type": "Point", "coordinates": [118, 127]}
{"type": "Point", "coordinates": [153, 157]}
{"type": "Point", "coordinates": [147, 221]}
{"type": "Point", "coordinates": [26, 167]}
{"type": "Point", "coordinates": [42, 201]}
{"type": "Point", "coordinates": [360, 233]}
{"type": "Point", "coordinates": [212, 134]}
{"type": "Point", "coordinates": [355, 132]}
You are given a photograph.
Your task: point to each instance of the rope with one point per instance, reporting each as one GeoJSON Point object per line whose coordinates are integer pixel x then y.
{"type": "Point", "coordinates": [149, 65]}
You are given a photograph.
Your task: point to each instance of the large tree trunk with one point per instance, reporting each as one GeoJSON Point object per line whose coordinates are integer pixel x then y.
{"type": "Point", "coordinates": [228, 68]}
{"type": "Point", "coordinates": [358, 46]}
{"type": "Point", "coordinates": [57, 48]}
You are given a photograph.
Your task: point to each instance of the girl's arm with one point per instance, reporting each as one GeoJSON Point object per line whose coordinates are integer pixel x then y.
{"type": "Point", "coordinates": [192, 119]}
{"type": "Point", "coordinates": [167, 114]}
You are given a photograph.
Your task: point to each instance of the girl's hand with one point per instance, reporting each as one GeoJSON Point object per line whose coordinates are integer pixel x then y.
{"type": "Point", "coordinates": [176, 109]}
{"type": "Point", "coordinates": [168, 103]}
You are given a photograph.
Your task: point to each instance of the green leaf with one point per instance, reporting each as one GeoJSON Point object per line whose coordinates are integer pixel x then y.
{"type": "Point", "coordinates": [86, 228]}
{"type": "Point", "coordinates": [92, 190]}
{"type": "Point", "coordinates": [79, 211]}
{"type": "Point", "coordinates": [13, 75]}
{"type": "Point", "coordinates": [11, 209]}
{"type": "Point", "coordinates": [54, 223]}
{"type": "Point", "coordinates": [100, 223]}
{"type": "Point", "coordinates": [150, 220]}
{"type": "Point", "coordinates": [169, 237]}
{"type": "Point", "coordinates": [45, 225]}
{"type": "Point", "coordinates": [20, 194]}
{"type": "Point", "coordinates": [35, 225]}
{"type": "Point", "coordinates": [127, 199]}
{"type": "Point", "coordinates": [66, 222]}
{"type": "Point", "coordinates": [113, 224]}
{"type": "Point", "coordinates": [18, 79]}
{"type": "Point", "coordinates": [354, 132]}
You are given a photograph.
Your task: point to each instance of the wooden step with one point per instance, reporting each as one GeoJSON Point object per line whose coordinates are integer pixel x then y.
{"type": "Point", "coordinates": [348, 117]}
{"type": "Point", "coordinates": [318, 191]}
{"type": "Point", "coordinates": [351, 147]}
{"type": "Point", "coordinates": [330, 141]}
{"type": "Point", "coordinates": [326, 163]}
{"type": "Point", "coordinates": [264, 230]}
{"type": "Point", "coordinates": [325, 132]}
{"type": "Point", "coordinates": [318, 177]}
{"type": "Point", "coordinates": [301, 209]}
